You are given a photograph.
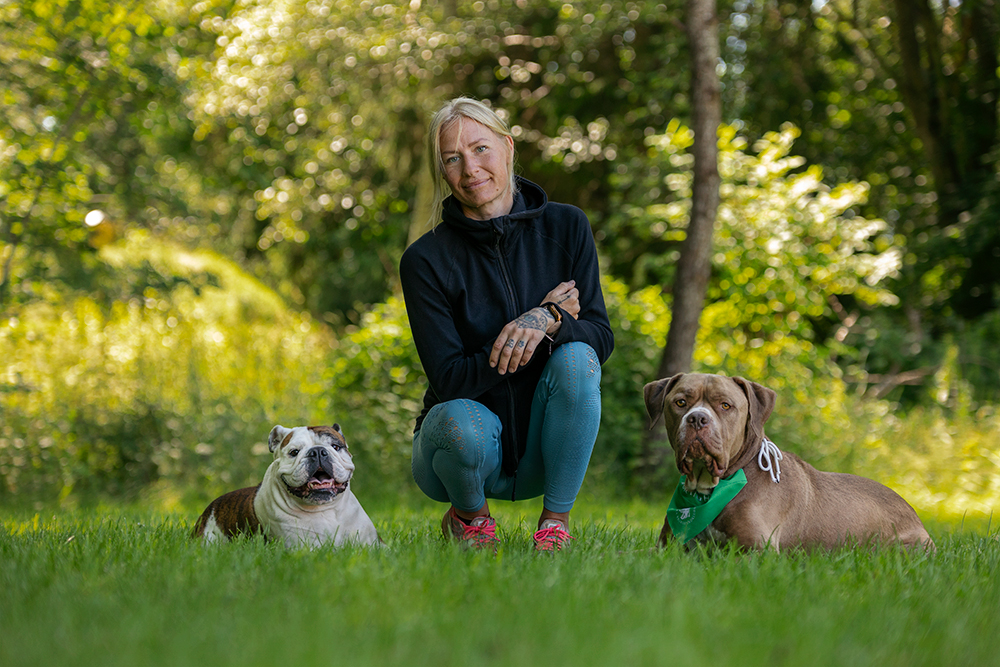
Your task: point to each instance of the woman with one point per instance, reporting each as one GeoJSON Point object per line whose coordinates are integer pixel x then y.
{"type": "Point", "coordinates": [505, 303]}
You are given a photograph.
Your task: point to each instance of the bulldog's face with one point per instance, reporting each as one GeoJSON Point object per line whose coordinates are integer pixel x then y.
{"type": "Point", "coordinates": [710, 421]}
{"type": "Point", "coordinates": [312, 462]}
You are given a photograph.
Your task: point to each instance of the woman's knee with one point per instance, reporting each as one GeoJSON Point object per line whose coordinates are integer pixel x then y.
{"type": "Point", "coordinates": [577, 363]}
{"type": "Point", "coordinates": [462, 428]}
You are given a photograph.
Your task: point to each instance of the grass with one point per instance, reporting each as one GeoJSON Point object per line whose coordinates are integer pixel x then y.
{"type": "Point", "coordinates": [128, 587]}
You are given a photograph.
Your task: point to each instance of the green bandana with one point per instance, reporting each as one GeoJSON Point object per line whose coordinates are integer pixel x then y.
{"type": "Point", "coordinates": [690, 513]}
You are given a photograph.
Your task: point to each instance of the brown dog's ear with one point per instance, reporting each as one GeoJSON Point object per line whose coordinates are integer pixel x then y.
{"type": "Point", "coordinates": [655, 393]}
{"type": "Point", "coordinates": [761, 403]}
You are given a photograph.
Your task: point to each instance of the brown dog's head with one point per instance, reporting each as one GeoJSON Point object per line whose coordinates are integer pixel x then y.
{"type": "Point", "coordinates": [715, 423]}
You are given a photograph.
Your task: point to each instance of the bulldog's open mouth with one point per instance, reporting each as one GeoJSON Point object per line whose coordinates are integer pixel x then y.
{"type": "Point", "coordinates": [321, 486]}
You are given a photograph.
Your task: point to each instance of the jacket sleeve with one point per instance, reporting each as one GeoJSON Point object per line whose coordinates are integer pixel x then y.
{"type": "Point", "coordinates": [451, 372]}
{"type": "Point", "coordinates": [593, 326]}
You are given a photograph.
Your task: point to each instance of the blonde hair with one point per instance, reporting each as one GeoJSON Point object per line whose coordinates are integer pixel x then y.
{"type": "Point", "coordinates": [453, 110]}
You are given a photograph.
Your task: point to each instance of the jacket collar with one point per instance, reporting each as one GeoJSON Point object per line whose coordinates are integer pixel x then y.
{"type": "Point", "coordinates": [529, 202]}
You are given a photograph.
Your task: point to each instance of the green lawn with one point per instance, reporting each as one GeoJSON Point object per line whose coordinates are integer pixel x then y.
{"type": "Point", "coordinates": [116, 587]}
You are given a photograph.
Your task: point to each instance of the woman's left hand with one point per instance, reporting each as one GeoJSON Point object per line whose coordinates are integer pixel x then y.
{"type": "Point", "coordinates": [517, 341]}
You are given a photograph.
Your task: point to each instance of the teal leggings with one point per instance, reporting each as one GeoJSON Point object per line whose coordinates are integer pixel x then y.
{"type": "Point", "coordinates": [456, 452]}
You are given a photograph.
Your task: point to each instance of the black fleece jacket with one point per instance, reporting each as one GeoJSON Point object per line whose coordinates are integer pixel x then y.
{"type": "Point", "coordinates": [466, 279]}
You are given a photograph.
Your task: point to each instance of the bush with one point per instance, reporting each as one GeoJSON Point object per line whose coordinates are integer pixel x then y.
{"type": "Point", "coordinates": [178, 385]}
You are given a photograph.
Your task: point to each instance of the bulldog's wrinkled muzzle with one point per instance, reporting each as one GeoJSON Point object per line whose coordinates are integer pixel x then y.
{"type": "Point", "coordinates": [321, 486]}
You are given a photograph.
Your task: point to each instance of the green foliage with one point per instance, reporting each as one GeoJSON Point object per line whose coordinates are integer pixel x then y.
{"type": "Point", "coordinates": [180, 382]}
{"type": "Point", "coordinates": [324, 105]}
{"type": "Point", "coordinates": [891, 94]}
{"type": "Point", "coordinates": [169, 385]}
{"type": "Point", "coordinates": [79, 82]}
{"type": "Point", "coordinates": [785, 243]}
{"type": "Point", "coordinates": [288, 136]}
{"type": "Point", "coordinates": [377, 387]}
{"type": "Point", "coordinates": [173, 384]}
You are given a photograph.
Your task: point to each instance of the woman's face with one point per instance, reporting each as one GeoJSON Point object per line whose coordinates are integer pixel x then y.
{"type": "Point", "coordinates": [477, 168]}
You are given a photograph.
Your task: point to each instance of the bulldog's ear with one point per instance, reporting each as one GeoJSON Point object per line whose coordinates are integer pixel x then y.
{"type": "Point", "coordinates": [278, 434]}
{"type": "Point", "coordinates": [761, 403]}
{"type": "Point", "coordinates": [336, 427]}
{"type": "Point", "coordinates": [655, 393]}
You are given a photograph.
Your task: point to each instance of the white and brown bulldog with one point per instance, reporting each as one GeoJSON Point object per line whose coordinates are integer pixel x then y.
{"type": "Point", "coordinates": [305, 498]}
{"type": "Point", "coordinates": [716, 428]}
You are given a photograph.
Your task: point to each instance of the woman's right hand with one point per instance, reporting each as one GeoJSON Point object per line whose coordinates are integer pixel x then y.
{"type": "Point", "coordinates": [566, 296]}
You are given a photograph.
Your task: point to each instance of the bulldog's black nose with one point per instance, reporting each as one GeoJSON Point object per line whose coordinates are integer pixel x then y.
{"type": "Point", "coordinates": [697, 420]}
{"type": "Point", "coordinates": [318, 453]}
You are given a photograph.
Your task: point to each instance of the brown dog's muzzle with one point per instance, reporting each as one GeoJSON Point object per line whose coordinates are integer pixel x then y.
{"type": "Point", "coordinates": [699, 439]}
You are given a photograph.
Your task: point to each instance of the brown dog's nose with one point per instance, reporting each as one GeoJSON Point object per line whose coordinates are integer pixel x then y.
{"type": "Point", "coordinates": [697, 420]}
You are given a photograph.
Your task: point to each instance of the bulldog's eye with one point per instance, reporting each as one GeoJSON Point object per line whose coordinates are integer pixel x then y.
{"type": "Point", "coordinates": [680, 402]}
{"type": "Point", "coordinates": [337, 447]}
{"type": "Point", "coordinates": [293, 452]}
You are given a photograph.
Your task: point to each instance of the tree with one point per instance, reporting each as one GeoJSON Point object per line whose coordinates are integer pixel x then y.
{"type": "Point", "coordinates": [694, 266]}
{"type": "Point", "coordinates": [91, 104]}
{"type": "Point", "coordinates": [904, 96]}
{"type": "Point", "coordinates": [950, 82]}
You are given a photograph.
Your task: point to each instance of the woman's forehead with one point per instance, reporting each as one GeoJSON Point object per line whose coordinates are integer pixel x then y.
{"type": "Point", "coordinates": [464, 130]}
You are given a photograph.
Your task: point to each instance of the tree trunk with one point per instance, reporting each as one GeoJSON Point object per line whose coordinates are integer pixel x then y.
{"type": "Point", "coordinates": [694, 266]}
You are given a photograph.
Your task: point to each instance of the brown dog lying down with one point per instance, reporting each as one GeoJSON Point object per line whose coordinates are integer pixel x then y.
{"type": "Point", "coordinates": [716, 428]}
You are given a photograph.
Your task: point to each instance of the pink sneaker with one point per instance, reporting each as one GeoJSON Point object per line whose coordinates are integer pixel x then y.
{"type": "Point", "coordinates": [480, 534]}
{"type": "Point", "coordinates": [551, 536]}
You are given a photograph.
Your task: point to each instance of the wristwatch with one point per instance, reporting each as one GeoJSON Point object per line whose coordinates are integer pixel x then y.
{"type": "Point", "coordinates": [553, 310]}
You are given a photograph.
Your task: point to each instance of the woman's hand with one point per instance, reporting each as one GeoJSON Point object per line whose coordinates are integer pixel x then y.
{"type": "Point", "coordinates": [566, 296]}
{"type": "Point", "coordinates": [517, 341]}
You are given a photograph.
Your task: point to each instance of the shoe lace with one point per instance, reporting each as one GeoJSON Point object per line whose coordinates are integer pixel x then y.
{"type": "Point", "coordinates": [481, 532]}
{"type": "Point", "coordinates": [552, 538]}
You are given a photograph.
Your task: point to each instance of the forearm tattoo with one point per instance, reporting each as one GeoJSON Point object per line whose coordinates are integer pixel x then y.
{"type": "Point", "coordinates": [533, 319]}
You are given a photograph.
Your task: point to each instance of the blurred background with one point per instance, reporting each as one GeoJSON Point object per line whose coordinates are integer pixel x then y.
{"type": "Point", "coordinates": [203, 205]}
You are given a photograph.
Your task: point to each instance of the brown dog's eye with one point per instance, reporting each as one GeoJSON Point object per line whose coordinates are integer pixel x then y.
{"type": "Point", "coordinates": [726, 406]}
{"type": "Point", "coordinates": [680, 402]}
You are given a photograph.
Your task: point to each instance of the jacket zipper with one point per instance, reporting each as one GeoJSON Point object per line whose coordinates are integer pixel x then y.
{"type": "Point", "coordinates": [511, 402]}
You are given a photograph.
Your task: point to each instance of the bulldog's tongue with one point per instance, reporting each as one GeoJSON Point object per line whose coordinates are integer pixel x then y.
{"type": "Point", "coordinates": [320, 484]}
